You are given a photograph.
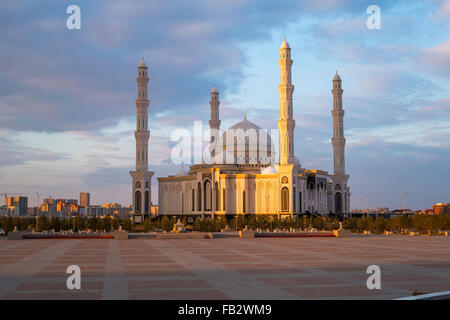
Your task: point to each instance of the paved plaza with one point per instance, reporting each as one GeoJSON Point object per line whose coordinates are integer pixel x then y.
{"type": "Point", "coordinates": [257, 268]}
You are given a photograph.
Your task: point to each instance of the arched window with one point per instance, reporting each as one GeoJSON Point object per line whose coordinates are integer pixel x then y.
{"type": "Point", "coordinates": [199, 196]}
{"type": "Point", "coordinates": [293, 200]}
{"type": "Point", "coordinates": [193, 199]}
{"type": "Point", "coordinates": [217, 197]}
{"type": "Point", "coordinates": [300, 202]}
{"type": "Point", "coordinates": [137, 185]}
{"type": "Point", "coordinates": [147, 202]}
{"type": "Point", "coordinates": [285, 199]}
{"type": "Point", "coordinates": [223, 199]}
{"type": "Point", "coordinates": [207, 197]}
{"type": "Point", "coordinates": [338, 202]}
{"type": "Point", "coordinates": [137, 202]}
{"type": "Point", "coordinates": [244, 209]}
{"type": "Point", "coordinates": [182, 202]}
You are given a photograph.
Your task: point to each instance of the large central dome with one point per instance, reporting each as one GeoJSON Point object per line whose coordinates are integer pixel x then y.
{"type": "Point", "coordinates": [247, 142]}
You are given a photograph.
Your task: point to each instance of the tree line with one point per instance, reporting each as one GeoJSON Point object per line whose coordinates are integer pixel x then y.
{"type": "Point", "coordinates": [418, 223]}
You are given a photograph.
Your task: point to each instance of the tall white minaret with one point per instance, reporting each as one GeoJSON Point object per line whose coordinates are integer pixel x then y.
{"type": "Point", "coordinates": [141, 177]}
{"type": "Point", "coordinates": [214, 123]}
{"type": "Point", "coordinates": [142, 134]}
{"type": "Point", "coordinates": [286, 124]}
{"type": "Point", "coordinates": [338, 139]}
{"type": "Point", "coordinates": [340, 191]}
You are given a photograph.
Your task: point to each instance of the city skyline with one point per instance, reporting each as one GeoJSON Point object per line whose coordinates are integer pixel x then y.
{"type": "Point", "coordinates": [68, 127]}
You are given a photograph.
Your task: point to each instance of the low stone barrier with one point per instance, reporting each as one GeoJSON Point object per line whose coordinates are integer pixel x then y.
{"type": "Point", "coordinates": [120, 235]}
{"type": "Point", "coordinates": [342, 233]}
{"type": "Point", "coordinates": [187, 235]}
{"type": "Point", "coordinates": [15, 235]}
{"type": "Point", "coordinates": [246, 234]}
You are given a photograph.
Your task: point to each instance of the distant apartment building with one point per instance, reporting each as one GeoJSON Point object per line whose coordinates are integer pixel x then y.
{"type": "Point", "coordinates": [17, 206]}
{"type": "Point", "coordinates": [67, 207]}
{"type": "Point", "coordinates": [85, 199]}
{"type": "Point", "coordinates": [116, 209]}
{"type": "Point", "coordinates": [441, 208]}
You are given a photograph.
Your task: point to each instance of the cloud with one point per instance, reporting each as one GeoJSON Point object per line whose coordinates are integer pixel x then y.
{"type": "Point", "coordinates": [15, 154]}
{"type": "Point", "coordinates": [442, 12]}
{"type": "Point", "coordinates": [437, 58]}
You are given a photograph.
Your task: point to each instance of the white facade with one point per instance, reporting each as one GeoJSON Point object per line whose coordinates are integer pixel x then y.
{"type": "Point", "coordinates": [251, 183]}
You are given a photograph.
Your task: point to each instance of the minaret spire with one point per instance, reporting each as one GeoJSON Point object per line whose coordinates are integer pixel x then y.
{"type": "Point", "coordinates": [141, 177]}
{"type": "Point", "coordinates": [214, 123]}
{"type": "Point", "coordinates": [286, 124]}
{"type": "Point", "coordinates": [340, 190]}
{"type": "Point", "coordinates": [338, 139]}
{"type": "Point", "coordinates": [142, 134]}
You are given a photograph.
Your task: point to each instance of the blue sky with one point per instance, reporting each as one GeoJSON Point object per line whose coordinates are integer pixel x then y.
{"type": "Point", "coordinates": [67, 111]}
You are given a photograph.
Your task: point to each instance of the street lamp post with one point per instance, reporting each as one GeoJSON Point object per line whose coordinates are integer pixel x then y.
{"type": "Point", "coordinates": [363, 198]}
{"type": "Point", "coordinates": [403, 198]}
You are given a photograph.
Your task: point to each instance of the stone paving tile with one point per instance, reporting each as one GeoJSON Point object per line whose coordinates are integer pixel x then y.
{"type": "Point", "coordinates": [288, 268]}
{"type": "Point", "coordinates": [358, 268]}
{"type": "Point", "coordinates": [335, 291]}
{"type": "Point", "coordinates": [402, 277]}
{"type": "Point", "coordinates": [283, 282]}
{"type": "Point", "coordinates": [179, 295]}
{"type": "Point", "coordinates": [436, 265]}
{"type": "Point", "coordinates": [425, 287]}
{"type": "Point", "coordinates": [63, 274]}
{"type": "Point", "coordinates": [168, 284]}
{"type": "Point", "coordinates": [63, 268]}
{"type": "Point", "coordinates": [55, 296]}
{"type": "Point", "coordinates": [61, 285]}
{"type": "Point", "coordinates": [270, 271]}
{"type": "Point", "coordinates": [151, 268]}
{"type": "Point", "coordinates": [143, 273]}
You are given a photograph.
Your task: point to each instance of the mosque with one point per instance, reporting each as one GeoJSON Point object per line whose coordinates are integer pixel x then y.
{"type": "Point", "coordinates": [245, 174]}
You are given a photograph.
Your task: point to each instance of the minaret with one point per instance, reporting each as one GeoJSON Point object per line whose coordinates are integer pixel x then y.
{"type": "Point", "coordinates": [214, 123]}
{"type": "Point", "coordinates": [141, 177]}
{"type": "Point", "coordinates": [338, 139]}
{"type": "Point", "coordinates": [286, 124]}
{"type": "Point", "coordinates": [142, 134]}
{"type": "Point", "coordinates": [340, 190]}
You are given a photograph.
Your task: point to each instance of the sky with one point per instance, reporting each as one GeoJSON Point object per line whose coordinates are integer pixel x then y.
{"type": "Point", "coordinates": [67, 97]}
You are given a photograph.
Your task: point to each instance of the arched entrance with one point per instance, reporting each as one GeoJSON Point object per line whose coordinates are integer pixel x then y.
{"type": "Point", "coordinates": [147, 202]}
{"type": "Point", "coordinates": [137, 202]}
{"type": "Point", "coordinates": [338, 202]}
{"type": "Point", "coordinates": [207, 196]}
{"type": "Point", "coordinates": [199, 196]}
{"type": "Point", "coordinates": [285, 199]}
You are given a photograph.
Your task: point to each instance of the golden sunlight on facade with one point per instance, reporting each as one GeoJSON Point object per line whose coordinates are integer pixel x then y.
{"type": "Point", "coordinates": [251, 183]}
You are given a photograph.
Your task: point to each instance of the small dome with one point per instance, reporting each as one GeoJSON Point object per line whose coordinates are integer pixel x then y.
{"type": "Point", "coordinates": [142, 64]}
{"type": "Point", "coordinates": [214, 89]}
{"type": "Point", "coordinates": [269, 170]}
{"type": "Point", "coordinates": [285, 45]}
{"type": "Point", "coordinates": [336, 76]}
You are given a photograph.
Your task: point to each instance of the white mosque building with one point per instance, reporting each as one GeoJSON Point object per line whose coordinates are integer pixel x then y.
{"type": "Point", "coordinates": [245, 176]}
